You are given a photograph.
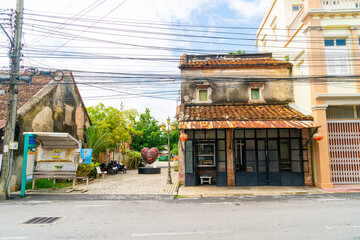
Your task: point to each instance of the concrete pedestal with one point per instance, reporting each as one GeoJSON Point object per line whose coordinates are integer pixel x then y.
{"type": "Point", "coordinates": [149, 170]}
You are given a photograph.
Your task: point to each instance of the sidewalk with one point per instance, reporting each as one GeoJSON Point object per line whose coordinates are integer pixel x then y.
{"type": "Point", "coordinates": [215, 191]}
{"type": "Point", "coordinates": [344, 188]}
{"type": "Point", "coordinates": [134, 183]}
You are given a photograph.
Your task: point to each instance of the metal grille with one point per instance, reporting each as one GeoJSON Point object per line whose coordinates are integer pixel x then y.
{"type": "Point", "coordinates": [344, 148]}
{"type": "Point", "coordinates": [42, 220]}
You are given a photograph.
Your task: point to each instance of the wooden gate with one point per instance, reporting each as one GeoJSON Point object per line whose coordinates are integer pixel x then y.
{"type": "Point", "coordinates": [344, 148]}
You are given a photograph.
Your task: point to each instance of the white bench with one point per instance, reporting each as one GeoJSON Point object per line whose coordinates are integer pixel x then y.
{"type": "Point", "coordinates": [205, 179]}
{"type": "Point", "coordinates": [99, 172]}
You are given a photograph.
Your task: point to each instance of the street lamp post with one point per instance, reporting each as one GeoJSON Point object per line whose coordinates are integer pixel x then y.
{"type": "Point", "coordinates": [168, 130]}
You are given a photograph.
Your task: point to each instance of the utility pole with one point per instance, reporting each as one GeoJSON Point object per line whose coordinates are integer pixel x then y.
{"type": "Point", "coordinates": [8, 154]}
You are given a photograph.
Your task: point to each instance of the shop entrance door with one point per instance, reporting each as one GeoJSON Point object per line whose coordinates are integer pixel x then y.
{"type": "Point", "coordinates": [268, 162]}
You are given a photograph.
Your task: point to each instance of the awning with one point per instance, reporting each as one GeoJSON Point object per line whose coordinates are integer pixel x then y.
{"type": "Point", "coordinates": [247, 124]}
{"type": "Point", "coordinates": [56, 140]}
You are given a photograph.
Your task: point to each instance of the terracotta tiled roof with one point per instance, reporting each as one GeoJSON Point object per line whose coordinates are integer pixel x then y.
{"type": "Point", "coordinates": [25, 93]}
{"type": "Point", "coordinates": [2, 123]}
{"type": "Point", "coordinates": [239, 112]}
{"type": "Point", "coordinates": [231, 61]}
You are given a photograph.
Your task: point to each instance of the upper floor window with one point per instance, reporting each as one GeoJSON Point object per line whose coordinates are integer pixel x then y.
{"type": "Point", "coordinates": [203, 95]}
{"type": "Point", "coordinates": [255, 94]}
{"type": "Point", "coordinates": [335, 42]}
{"type": "Point", "coordinates": [336, 54]}
{"type": "Point", "coordinates": [343, 112]}
{"type": "Point", "coordinates": [296, 9]}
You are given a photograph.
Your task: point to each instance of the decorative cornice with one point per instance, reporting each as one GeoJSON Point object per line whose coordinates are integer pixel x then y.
{"type": "Point", "coordinates": [319, 107]}
{"type": "Point", "coordinates": [314, 28]}
{"type": "Point", "coordinates": [354, 27]}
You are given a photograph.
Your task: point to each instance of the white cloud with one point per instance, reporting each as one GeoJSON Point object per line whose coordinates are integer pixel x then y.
{"type": "Point", "coordinates": [248, 9]}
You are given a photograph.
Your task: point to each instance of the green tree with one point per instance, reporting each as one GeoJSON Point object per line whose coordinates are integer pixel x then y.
{"type": "Point", "coordinates": [150, 133]}
{"type": "Point", "coordinates": [174, 139]}
{"type": "Point", "coordinates": [113, 126]}
{"type": "Point", "coordinates": [93, 141]}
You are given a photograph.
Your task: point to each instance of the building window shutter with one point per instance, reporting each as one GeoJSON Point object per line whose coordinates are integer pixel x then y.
{"type": "Point", "coordinates": [255, 94]}
{"type": "Point", "coordinates": [203, 95]}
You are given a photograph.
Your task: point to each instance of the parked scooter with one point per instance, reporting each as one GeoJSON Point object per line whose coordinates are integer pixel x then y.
{"type": "Point", "coordinates": [113, 167]}
{"type": "Point", "coordinates": [121, 167]}
{"type": "Point", "coordinates": [109, 168]}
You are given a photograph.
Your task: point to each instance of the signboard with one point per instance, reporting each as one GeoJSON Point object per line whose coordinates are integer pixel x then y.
{"type": "Point", "coordinates": [30, 164]}
{"type": "Point", "coordinates": [56, 154]}
{"type": "Point", "coordinates": [85, 155]}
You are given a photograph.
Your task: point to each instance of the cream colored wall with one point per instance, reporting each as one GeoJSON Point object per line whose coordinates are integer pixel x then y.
{"type": "Point", "coordinates": [302, 94]}
{"type": "Point", "coordinates": [283, 13]}
{"type": "Point", "coordinates": [338, 27]}
{"type": "Point", "coordinates": [335, 25]}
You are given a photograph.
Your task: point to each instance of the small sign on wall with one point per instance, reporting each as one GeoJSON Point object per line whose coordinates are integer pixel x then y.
{"type": "Point", "coordinates": [85, 155]}
{"type": "Point", "coordinates": [56, 154]}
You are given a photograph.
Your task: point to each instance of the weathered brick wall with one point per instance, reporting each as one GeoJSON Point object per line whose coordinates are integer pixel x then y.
{"type": "Point", "coordinates": [230, 157]}
{"type": "Point", "coordinates": [181, 147]}
{"type": "Point", "coordinates": [307, 172]}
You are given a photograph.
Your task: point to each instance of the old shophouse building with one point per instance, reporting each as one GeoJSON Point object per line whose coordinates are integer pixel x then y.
{"type": "Point", "coordinates": [242, 128]}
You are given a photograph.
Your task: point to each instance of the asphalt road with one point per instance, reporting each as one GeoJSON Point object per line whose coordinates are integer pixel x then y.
{"type": "Point", "coordinates": [328, 216]}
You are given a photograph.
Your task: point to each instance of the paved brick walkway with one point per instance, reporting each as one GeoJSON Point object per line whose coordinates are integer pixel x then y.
{"type": "Point", "coordinates": [134, 183]}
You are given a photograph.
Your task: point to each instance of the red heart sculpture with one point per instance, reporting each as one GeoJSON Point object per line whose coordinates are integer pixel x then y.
{"type": "Point", "coordinates": [149, 155]}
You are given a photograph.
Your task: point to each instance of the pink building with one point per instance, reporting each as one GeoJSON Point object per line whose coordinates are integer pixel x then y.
{"type": "Point", "coordinates": [321, 39]}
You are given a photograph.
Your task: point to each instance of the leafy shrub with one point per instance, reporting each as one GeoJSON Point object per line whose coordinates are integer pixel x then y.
{"type": "Point", "coordinates": [84, 170]}
{"type": "Point", "coordinates": [134, 160]}
{"type": "Point", "coordinates": [176, 166]}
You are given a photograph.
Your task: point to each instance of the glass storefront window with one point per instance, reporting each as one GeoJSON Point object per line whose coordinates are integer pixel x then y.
{"type": "Point", "coordinates": [262, 166]}
{"type": "Point", "coordinates": [250, 144]}
{"type": "Point", "coordinates": [221, 133]}
{"type": "Point", "coordinates": [261, 133]}
{"type": "Point", "coordinates": [190, 133]}
{"type": "Point", "coordinates": [211, 134]}
{"type": "Point", "coordinates": [295, 144]}
{"type": "Point", "coordinates": [239, 158]}
{"type": "Point", "coordinates": [222, 166]}
{"type": "Point", "coordinates": [206, 154]}
{"type": "Point", "coordinates": [274, 166]}
{"type": "Point", "coordinates": [284, 133]}
{"type": "Point", "coordinates": [249, 133]}
{"type": "Point", "coordinates": [272, 133]}
{"type": "Point", "coordinates": [239, 133]}
{"type": "Point", "coordinates": [284, 155]}
{"type": "Point", "coordinates": [273, 144]}
{"type": "Point", "coordinates": [221, 145]}
{"type": "Point", "coordinates": [250, 156]}
{"type": "Point", "coordinates": [296, 166]}
{"type": "Point", "coordinates": [222, 156]}
{"type": "Point", "coordinates": [200, 134]}
{"type": "Point", "coordinates": [295, 155]}
{"type": "Point", "coordinates": [250, 166]}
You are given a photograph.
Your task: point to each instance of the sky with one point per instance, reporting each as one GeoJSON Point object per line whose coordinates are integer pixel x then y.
{"type": "Point", "coordinates": [126, 53]}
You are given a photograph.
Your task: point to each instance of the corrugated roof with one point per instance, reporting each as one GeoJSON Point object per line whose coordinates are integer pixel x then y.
{"type": "Point", "coordinates": [246, 124]}
{"type": "Point", "coordinates": [239, 112]}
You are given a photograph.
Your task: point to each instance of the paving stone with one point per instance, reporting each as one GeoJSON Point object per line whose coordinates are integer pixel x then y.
{"type": "Point", "coordinates": [134, 183]}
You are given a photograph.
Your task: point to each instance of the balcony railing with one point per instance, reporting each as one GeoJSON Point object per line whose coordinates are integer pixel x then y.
{"type": "Point", "coordinates": [340, 4]}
